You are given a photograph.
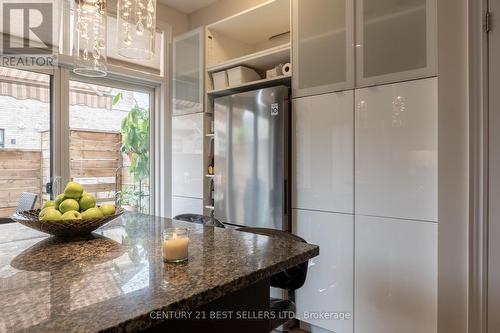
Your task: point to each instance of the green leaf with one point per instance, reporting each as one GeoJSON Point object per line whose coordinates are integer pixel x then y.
{"type": "Point", "coordinates": [118, 97]}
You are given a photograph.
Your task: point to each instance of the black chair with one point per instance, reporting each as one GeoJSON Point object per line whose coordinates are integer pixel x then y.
{"type": "Point", "coordinates": [27, 201]}
{"type": "Point", "coordinates": [290, 279]}
{"type": "Point", "coordinates": [200, 219]}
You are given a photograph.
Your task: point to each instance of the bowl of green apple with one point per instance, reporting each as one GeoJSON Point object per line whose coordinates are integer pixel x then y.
{"type": "Point", "coordinates": [72, 213]}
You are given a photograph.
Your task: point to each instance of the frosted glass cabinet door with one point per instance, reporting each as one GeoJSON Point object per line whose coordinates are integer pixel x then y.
{"type": "Point", "coordinates": [188, 56]}
{"type": "Point", "coordinates": [322, 46]}
{"type": "Point", "coordinates": [396, 40]}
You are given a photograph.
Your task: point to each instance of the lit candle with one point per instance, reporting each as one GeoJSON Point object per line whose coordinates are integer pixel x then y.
{"type": "Point", "coordinates": [175, 244]}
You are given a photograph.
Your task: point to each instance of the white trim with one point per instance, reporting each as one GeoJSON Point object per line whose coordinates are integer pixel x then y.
{"type": "Point", "coordinates": [453, 166]}
{"type": "Point", "coordinates": [163, 134]}
{"type": "Point", "coordinates": [118, 72]}
{"type": "Point", "coordinates": [60, 130]}
{"type": "Point", "coordinates": [478, 164]}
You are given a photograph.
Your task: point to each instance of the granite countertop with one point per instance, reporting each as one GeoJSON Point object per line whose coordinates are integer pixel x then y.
{"type": "Point", "coordinates": [112, 279]}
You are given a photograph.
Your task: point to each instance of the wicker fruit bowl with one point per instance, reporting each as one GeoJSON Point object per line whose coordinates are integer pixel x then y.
{"type": "Point", "coordinates": [63, 228]}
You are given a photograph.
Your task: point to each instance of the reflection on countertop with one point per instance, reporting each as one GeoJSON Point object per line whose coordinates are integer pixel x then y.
{"type": "Point", "coordinates": [112, 279]}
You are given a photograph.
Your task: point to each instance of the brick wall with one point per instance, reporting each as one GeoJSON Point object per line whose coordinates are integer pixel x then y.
{"type": "Point", "coordinates": [24, 119]}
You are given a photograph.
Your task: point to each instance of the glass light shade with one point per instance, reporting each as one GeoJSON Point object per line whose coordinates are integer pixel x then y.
{"type": "Point", "coordinates": [136, 28]}
{"type": "Point", "coordinates": [89, 47]}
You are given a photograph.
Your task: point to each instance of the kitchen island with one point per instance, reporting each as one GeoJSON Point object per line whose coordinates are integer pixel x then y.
{"type": "Point", "coordinates": [115, 280]}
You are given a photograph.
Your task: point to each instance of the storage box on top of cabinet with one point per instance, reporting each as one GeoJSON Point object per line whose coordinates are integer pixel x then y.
{"type": "Point", "coordinates": [220, 80]}
{"type": "Point", "coordinates": [241, 74]}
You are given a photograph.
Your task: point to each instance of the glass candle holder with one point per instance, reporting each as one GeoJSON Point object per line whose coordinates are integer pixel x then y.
{"type": "Point", "coordinates": [175, 244]}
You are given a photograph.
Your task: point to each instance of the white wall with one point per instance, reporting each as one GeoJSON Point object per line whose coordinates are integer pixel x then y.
{"type": "Point", "coordinates": [220, 10]}
{"type": "Point", "coordinates": [23, 120]}
{"type": "Point", "coordinates": [177, 20]}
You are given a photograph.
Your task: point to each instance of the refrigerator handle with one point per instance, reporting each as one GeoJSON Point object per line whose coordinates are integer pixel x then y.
{"type": "Point", "coordinates": [285, 197]}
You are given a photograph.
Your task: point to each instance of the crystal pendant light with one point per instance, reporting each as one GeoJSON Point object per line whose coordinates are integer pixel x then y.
{"type": "Point", "coordinates": [89, 46]}
{"type": "Point", "coordinates": [136, 28]}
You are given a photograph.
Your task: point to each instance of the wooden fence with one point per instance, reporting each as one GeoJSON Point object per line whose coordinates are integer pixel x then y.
{"type": "Point", "coordinates": [94, 161]}
{"type": "Point", "coordinates": [20, 171]}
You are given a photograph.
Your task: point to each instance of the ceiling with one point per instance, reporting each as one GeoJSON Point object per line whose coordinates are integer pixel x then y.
{"type": "Point", "coordinates": [187, 6]}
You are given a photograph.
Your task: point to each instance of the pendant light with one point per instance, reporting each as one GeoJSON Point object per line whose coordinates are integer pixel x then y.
{"type": "Point", "coordinates": [89, 46]}
{"type": "Point", "coordinates": [136, 28]}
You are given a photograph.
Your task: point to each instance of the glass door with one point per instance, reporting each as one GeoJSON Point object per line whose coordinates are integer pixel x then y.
{"type": "Point", "coordinates": [110, 141]}
{"type": "Point", "coordinates": [25, 137]}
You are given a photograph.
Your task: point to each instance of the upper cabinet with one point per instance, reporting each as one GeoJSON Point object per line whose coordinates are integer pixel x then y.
{"type": "Point", "coordinates": [395, 40]}
{"type": "Point", "coordinates": [188, 73]}
{"type": "Point", "coordinates": [323, 55]}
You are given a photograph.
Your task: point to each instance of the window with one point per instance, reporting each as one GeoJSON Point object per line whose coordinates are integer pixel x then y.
{"type": "Point", "coordinates": [110, 143]}
{"type": "Point", "coordinates": [25, 113]}
{"type": "Point", "coordinates": [2, 137]}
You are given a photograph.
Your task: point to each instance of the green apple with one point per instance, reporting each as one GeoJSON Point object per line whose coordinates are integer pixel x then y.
{"type": "Point", "coordinates": [92, 213]}
{"type": "Point", "coordinates": [86, 201]}
{"type": "Point", "coordinates": [60, 198]}
{"type": "Point", "coordinates": [72, 215]}
{"type": "Point", "coordinates": [49, 203]}
{"type": "Point", "coordinates": [107, 210]}
{"type": "Point", "coordinates": [69, 204]}
{"type": "Point", "coordinates": [51, 215]}
{"type": "Point", "coordinates": [43, 211]}
{"type": "Point", "coordinates": [73, 190]}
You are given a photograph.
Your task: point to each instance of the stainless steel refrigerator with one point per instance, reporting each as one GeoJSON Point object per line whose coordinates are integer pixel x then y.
{"type": "Point", "coordinates": [251, 154]}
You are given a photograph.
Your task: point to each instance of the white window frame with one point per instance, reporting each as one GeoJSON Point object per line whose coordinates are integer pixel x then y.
{"type": "Point", "coordinates": [2, 143]}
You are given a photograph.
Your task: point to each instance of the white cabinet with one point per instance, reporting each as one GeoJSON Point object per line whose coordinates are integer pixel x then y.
{"type": "Point", "coordinates": [182, 205]}
{"type": "Point", "coordinates": [322, 56]}
{"type": "Point", "coordinates": [187, 155]}
{"type": "Point", "coordinates": [323, 152]}
{"type": "Point", "coordinates": [395, 276]}
{"type": "Point", "coordinates": [395, 40]}
{"type": "Point", "coordinates": [329, 284]}
{"type": "Point", "coordinates": [396, 150]}
{"type": "Point", "coordinates": [188, 73]}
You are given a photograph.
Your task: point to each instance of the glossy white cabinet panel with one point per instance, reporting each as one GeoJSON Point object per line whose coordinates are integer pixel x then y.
{"type": "Point", "coordinates": [188, 66]}
{"type": "Point", "coordinates": [395, 276]}
{"type": "Point", "coordinates": [182, 205]}
{"type": "Point", "coordinates": [323, 54]}
{"type": "Point", "coordinates": [323, 152]}
{"type": "Point", "coordinates": [329, 284]}
{"type": "Point", "coordinates": [396, 150]}
{"type": "Point", "coordinates": [187, 155]}
{"type": "Point", "coordinates": [396, 40]}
